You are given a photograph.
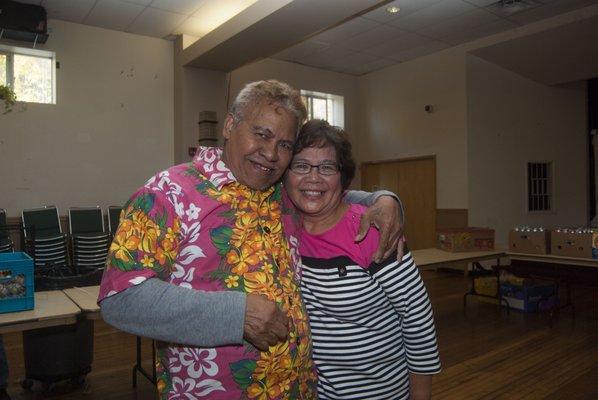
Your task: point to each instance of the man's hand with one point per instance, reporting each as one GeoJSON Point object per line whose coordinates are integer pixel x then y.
{"type": "Point", "coordinates": [385, 215]}
{"type": "Point", "coordinates": [265, 324]}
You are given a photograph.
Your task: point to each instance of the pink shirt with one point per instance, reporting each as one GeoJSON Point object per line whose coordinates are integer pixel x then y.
{"type": "Point", "coordinates": [339, 240]}
{"type": "Point", "coordinates": [195, 226]}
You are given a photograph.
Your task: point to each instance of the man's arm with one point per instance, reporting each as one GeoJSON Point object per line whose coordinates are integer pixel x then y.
{"type": "Point", "coordinates": [386, 213]}
{"type": "Point", "coordinates": [171, 313]}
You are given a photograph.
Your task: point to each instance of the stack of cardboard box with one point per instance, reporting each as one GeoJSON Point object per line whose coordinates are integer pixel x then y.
{"type": "Point", "coordinates": [580, 242]}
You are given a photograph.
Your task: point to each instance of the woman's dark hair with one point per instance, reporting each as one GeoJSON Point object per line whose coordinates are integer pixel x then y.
{"type": "Point", "coordinates": [319, 133]}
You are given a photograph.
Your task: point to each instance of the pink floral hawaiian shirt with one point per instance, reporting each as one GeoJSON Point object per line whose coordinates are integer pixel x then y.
{"type": "Point", "coordinates": [195, 226]}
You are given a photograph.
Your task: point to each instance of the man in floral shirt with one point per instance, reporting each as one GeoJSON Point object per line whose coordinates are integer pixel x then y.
{"type": "Point", "coordinates": [205, 256]}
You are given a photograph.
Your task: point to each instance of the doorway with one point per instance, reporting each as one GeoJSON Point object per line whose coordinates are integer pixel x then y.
{"type": "Point", "coordinates": [414, 180]}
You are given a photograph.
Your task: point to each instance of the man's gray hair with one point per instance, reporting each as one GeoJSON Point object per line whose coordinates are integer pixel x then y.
{"type": "Point", "coordinates": [271, 92]}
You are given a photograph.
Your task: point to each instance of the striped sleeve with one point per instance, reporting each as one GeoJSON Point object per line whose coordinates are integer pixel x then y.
{"type": "Point", "coordinates": [404, 287]}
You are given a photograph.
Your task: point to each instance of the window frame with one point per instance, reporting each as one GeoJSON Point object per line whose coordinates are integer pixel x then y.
{"type": "Point", "coordinates": [10, 51]}
{"type": "Point", "coordinates": [335, 106]}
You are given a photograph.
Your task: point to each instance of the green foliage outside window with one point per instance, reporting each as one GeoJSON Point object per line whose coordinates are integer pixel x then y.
{"type": "Point", "coordinates": [8, 97]}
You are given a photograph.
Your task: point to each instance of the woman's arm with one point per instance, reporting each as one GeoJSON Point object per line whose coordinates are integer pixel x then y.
{"type": "Point", "coordinates": [420, 387]}
{"type": "Point", "coordinates": [404, 287]}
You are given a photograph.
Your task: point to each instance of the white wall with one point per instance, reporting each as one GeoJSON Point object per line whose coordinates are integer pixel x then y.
{"type": "Point", "coordinates": [395, 125]}
{"type": "Point", "coordinates": [111, 129]}
{"type": "Point", "coordinates": [513, 120]}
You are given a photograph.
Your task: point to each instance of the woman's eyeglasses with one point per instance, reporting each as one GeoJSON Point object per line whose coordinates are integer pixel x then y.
{"type": "Point", "coordinates": [303, 168]}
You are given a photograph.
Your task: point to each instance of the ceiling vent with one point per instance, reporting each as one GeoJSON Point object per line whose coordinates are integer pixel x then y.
{"type": "Point", "coordinates": [504, 8]}
{"type": "Point", "coordinates": [24, 22]}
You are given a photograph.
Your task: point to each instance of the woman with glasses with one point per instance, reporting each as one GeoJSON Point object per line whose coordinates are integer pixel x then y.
{"type": "Point", "coordinates": [372, 325]}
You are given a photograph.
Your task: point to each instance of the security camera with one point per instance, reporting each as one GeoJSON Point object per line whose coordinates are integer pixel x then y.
{"type": "Point", "coordinates": [429, 108]}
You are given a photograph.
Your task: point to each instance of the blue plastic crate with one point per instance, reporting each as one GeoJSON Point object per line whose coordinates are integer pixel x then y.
{"type": "Point", "coordinates": [538, 296]}
{"type": "Point", "coordinates": [16, 282]}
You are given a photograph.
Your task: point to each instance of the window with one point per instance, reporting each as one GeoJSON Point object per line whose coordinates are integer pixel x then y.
{"type": "Point", "coordinates": [30, 73]}
{"type": "Point", "coordinates": [539, 186]}
{"type": "Point", "coordinates": [325, 106]}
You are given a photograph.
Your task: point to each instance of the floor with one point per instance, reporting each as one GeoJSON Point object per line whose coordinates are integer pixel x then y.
{"type": "Point", "coordinates": [486, 353]}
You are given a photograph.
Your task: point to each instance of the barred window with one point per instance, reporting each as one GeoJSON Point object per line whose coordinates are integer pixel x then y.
{"type": "Point", "coordinates": [539, 186]}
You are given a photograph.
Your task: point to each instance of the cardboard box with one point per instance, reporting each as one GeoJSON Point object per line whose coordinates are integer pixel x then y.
{"type": "Point", "coordinates": [529, 242]}
{"type": "Point", "coordinates": [465, 239]}
{"type": "Point", "coordinates": [572, 244]}
{"type": "Point", "coordinates": [538, 296]}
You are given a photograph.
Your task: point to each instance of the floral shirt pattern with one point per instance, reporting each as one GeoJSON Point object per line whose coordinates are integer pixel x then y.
{"type": "Point", "coordinates": [195, 226]}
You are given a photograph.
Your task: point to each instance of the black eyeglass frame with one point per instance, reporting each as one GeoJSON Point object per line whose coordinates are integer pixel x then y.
{"type": "Point", "coordinates": [337, 168]}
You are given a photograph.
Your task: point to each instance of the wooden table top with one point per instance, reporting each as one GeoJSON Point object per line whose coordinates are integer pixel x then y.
{"type": "Point", "coordinates": [52, 308]}
{"type": "Point", "coordinates": [551, 258]}
{"type": "Point", "coordinates": [433, 257]}
{"type": "Point", "coordinates": [86, 298]}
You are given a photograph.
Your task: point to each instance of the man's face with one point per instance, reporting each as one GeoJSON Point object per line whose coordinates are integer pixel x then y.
{"type": "Point", "coordinates": [259, 148]}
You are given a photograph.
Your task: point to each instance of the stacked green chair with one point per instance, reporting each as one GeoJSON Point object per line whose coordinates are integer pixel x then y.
{"type": "Point", "coordinates": [113, 218]}
{"type": "Point", "coordinates": [44, 240]}
{"type": "Point", "coordinates": [6, 244]}
{"type": "Point", "coordinates": [89, 239]}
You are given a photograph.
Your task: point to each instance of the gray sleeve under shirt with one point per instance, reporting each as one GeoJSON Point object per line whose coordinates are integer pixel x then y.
{"type": "Point", "coordinates": [369, 198]}
{"type": "Point", "coordinates": [163, 311]}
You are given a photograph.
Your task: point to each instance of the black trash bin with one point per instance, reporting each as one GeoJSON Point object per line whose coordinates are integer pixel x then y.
{"type": "Point", "coordinates": [60, 353]}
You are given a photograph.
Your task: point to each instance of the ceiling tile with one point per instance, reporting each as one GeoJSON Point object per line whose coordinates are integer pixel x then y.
{"type": "Point", "coordinates": [186, 7]}
{"type": "Point", "coordinates": [326, 58]}
{"type": "Point", "coordinates": [213, 13]}
{"type": "Point", "coordinates": [463, 22]}
{"type": "Point", "coordinates": [481, 3]}
{"type": "Point", "coordinates": [549, 10]}
{"type": "Point", "coordinates": [113, 14]}
{"type": "Point", "coordinates": [407, 7]}
{"type": "Point", "coordinates": [373, 37]}
{"type": "Point", "coordinates": [140, 2]}
{"type": "Point", "coordinates": [434, 14]}
{"type": "Point", "coordinates": [371, 67]}
{"type": "Point", "coordinates": [154, 22]}
{"type": "Point", "coordinates": [356, 59]}
{"type": "Point", "coordinates": [481, 31]}
{"type": "Point", "coordinates": [367, 68]}
{"type": "Point", "coordinates": [346, 30]}
{"type": "Point", "coordinates": [192, 26]}
{"type": "Point", "coordinates": [511, 8]}
{"type": "Point", "coordinates": [299, 51]}
{"type": "Point", "coordinates": [420, 51]}
{"type": "Point", "coordinates": [393, 47]}
{"type": "Point", "coordinates": [68, 10]}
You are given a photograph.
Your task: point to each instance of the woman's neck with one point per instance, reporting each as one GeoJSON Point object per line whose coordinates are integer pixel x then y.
{"type": "Point", "coordinates": [316, 224]}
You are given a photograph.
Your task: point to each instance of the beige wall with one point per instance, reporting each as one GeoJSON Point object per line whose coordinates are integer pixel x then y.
{"type": "Point", "coordinates": [395, 124]}
{"type": "Point", "coordinates": [111, 129]}
{"type": "Point", "coordinates": [487, 122]}
{"type": "Point", "coordinates": [200, 90]}
{"type": "Point", "coordinates": [513, 120]}
{"type": "Point", "coordinates": [195, 90]}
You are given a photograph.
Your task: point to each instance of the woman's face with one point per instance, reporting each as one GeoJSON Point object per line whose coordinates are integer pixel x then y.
{"type": "Point", "coordinates": [315, 194]}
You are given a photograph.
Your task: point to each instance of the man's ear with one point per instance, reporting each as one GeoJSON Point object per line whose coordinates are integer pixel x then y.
{"type": "Point", "coordinates": [229, 124]}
